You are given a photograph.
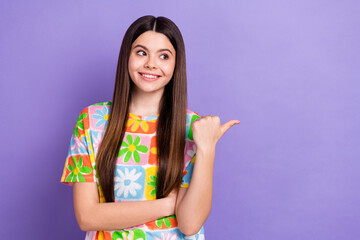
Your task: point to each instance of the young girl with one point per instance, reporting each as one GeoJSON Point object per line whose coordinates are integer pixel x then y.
{"type": "Point", "coordinates": [131, 159]}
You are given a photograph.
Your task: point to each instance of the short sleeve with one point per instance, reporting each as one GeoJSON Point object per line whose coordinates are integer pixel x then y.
{"type": "Point", "coordinates": [190, 150]}
{"type": "Point", "coordinates": [79, 163]}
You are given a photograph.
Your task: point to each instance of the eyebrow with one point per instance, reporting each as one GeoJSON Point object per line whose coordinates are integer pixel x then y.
{"type": "Point", "coordinates": [160, 50]}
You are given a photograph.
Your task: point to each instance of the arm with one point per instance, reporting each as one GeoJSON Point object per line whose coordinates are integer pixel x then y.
{"type": "Point", "coordinates": [94, 216]}
{"type": "Point", "coordinates": [194, 203]}
{"type": "Point", "coordinates": [89, 212]}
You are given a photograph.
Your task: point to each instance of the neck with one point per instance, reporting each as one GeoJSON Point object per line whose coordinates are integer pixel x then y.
{"type": "Point", "coordinates": [145, 104]}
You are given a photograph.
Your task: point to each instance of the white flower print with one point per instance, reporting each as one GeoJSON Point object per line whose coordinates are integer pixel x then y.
{"type": "Point", "coordinates": [169, 236]}
{"type": "Point", "coordinates": [96, 141]}
{"type": "Point", "coordinates": [130, 236]}
{"type": "Point", "coordinates": [77, 145]}
{"type": "Point", "coordinates": [126, 182]}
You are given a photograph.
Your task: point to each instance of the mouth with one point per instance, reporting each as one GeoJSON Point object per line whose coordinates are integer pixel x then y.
{"type": "Point", "coordinates": [149, 77]}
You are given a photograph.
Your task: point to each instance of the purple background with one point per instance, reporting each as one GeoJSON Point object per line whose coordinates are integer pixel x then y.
{"type": "Point", "coordinates": [288, 70]}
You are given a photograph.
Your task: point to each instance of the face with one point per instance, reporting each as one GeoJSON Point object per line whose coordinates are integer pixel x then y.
{"type": "Point", "coordinates": [151, 62]}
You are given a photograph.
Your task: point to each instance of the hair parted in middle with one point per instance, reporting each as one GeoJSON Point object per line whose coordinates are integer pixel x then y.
{"type": "Point", "coordinates": [171, 124]}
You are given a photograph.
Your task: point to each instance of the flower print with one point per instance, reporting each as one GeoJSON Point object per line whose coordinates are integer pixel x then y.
{"type": "Point", "coordinates": [191, 152]}
{"type": "Point", "coordinates": [79, 124]}
{"type": "Point", "coordinates": [164, 220]}
{"type": "Point", "coordinates": [129, 237]}
{"type": "Point", "coordinates": [77, 170]}
{"type": "Point", "coordinates": [126, 182]}
{"type": "Point", "coordinates": [152, 183]}
{"type": "Point", "coordinates": [103, 103]}
{"type": "Point", "coordinates": [94, 167]}
{"type": "Point", "coordinates": [152, 118]}
{"type": "Point", "coordinates": [188, 172]}
{"type": "Point", "coordinates": [193, 237]}
{"type": "Point", "coordinates": [136, 234]}
{"type": "Point", "coordinates": [102, 116]}
{"type": "Point", "coordinates": [102, 235]}
{"type": "Point", "coordinates": [188, 122]}
{"type": "Point", "coordinates": [135, 122]}
{"type": "Point", "coordinates": [169, 222]}
{"type": "Point", "coordinates": [96, 140]}
{"type": "Point", "coordinates": [132, 147]}
{"type": "Point", "coordinates": [193, 118]}
{"type": "Point", "coordinates": [153, 150]}
{"type": "Point", "coordinates": [152, 159]}
{"type": "Point", "coordinates": [78, 145]}
{"type": "Point", "coordinates": [169, 236]}
{"type": "Point", "coordinates": [141, 226]}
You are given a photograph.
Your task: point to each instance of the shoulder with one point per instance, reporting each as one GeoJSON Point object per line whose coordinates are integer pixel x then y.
{"type": "Point", "coordinates": [95, 106]}
{"type": "Point", "coordinates": [100, 105]}
{"type": "Point", "coordinates": [100, 108]}
{"type": "Point", "coordinates": [190, 117]}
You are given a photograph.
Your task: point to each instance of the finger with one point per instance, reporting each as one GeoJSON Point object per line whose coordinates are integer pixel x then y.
{"type": "Point", "coordinates": [228, 125]}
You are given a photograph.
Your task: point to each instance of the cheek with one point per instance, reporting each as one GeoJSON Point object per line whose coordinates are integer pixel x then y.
{"type": "Point", "coordinates": [132, 68]}
{"type": "Point", "coordinates": [131, 64]}
{"type": "Point", "coordinates": [169, 68]}
{"type": "Point", "coordinates": [135, 63]}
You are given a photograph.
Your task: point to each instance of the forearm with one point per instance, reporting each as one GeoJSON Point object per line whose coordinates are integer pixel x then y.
{"type": "Point", "coordinates": [195, 206]}
{"type": "Point", "coordinates": [120, 215]}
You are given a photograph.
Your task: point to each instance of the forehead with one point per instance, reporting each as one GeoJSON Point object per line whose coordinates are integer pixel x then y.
{"type": "Point", "coordinates": [153, 41]}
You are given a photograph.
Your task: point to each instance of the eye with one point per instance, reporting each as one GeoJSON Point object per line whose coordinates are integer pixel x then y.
{"type": "Point", "coordinates": [164, 56]}
{"type": "Point", "coordinates": [140, 52]}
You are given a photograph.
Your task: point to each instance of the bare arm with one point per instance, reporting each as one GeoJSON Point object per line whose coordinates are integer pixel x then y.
{"type": "Point", "coordinates": [194, 203]}
{"type": "Point", "coordinates": [92, 215]}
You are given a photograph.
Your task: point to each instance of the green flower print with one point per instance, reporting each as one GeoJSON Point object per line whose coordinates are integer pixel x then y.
{"type": "Point", "coordinates": [152, 184]}
{"type": "Point", "coordinates": [103, 103]}
{"type": "Point", "coordinates": [136, 234]}
{"type": "Point", "coordinates": [94, 167]}
{"type": "Point", "coordinates": [164, 220]}
{"type": "Point", "coordinates": [132, 147]}
{"type": "Point", "coordinates": [77, 171]}
{"type": "Point", "coordinates": [79, 124]}
{"type": "Point", "coordinates": [193, 118]}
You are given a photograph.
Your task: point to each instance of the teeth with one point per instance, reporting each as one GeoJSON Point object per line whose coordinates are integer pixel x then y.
{"type": "Point", "coordinates": [149, 76]}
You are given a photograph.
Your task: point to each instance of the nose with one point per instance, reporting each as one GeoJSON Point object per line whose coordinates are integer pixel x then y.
{"type": "Point", "coordinates": [150, 63]}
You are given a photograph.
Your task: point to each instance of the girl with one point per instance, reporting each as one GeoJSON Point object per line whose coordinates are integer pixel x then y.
{"type": "Point", "coordinates": [131, 159]}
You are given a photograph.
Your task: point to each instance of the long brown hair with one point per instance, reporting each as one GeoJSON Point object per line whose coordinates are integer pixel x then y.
{"type": "Point", "coordinates": [170, 132]}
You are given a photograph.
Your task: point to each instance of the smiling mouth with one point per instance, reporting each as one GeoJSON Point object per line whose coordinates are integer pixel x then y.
{"type": "Point", "coordinates": [147, 76]}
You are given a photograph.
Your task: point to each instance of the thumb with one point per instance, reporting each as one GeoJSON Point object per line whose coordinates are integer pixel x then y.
{"type": "Point", "coordinates": [227, 125]}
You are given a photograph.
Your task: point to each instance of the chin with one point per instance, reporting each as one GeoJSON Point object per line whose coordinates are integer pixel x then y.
{"type": "Point", "coordinates": [149, 90]}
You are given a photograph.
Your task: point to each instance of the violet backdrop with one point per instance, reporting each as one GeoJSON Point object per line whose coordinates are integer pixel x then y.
{"type": "Point", "coordinates": [288, 70]}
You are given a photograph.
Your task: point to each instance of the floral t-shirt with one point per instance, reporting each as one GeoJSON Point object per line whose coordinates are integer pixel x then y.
{"type": "Point", "coordinates": [136, 168]}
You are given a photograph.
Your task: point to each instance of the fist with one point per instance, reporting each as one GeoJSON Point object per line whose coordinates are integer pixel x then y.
{"type": "Point", "coordinates": [207, 130]}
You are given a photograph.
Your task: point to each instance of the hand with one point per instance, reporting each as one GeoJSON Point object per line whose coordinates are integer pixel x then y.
{"type": "Point", "coordinates": [171, 202]}
{"type": "Point", "coordinates": [207, 131]}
